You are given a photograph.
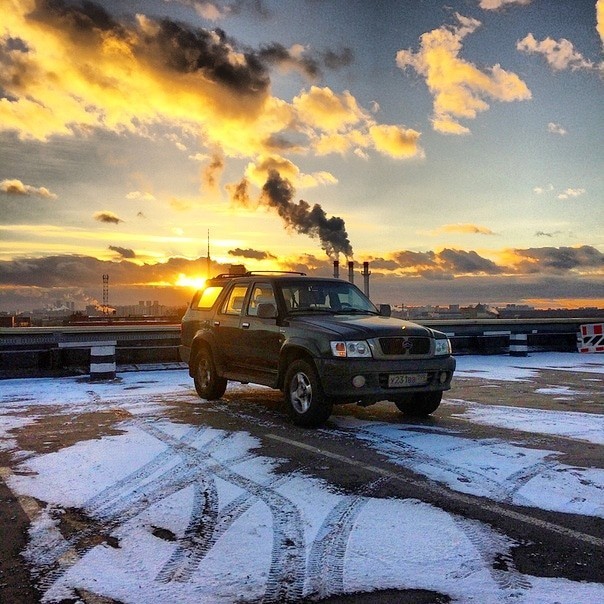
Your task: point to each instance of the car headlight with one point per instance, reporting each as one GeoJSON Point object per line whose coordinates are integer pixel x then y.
{"type": "Point", "coordinates": [442, 347]}
{"type": "Point", "coordinates": [356, 348]}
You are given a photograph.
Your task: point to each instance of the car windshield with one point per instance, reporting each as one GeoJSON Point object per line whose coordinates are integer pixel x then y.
{"type": "Point", "coordinates": [326, 296]}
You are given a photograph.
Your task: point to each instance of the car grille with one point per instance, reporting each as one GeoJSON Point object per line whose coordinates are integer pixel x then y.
{"type": "Point", "coordinates": [405, 346]}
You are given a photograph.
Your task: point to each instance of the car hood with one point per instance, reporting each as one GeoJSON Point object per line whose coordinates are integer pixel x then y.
{"type": "Point", "coordinates": [360, 327]}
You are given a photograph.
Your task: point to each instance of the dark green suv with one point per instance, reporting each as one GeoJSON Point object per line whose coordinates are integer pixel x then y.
{"type": "Point", "coordinates": [321, 341]}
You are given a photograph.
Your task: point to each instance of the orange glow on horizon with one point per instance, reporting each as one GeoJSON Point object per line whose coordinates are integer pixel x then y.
{"type": "Point", "coordinates": [195, 282]}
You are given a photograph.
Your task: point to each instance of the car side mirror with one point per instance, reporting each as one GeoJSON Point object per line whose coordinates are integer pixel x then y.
{"type": "Point", "coordinates": [266, 310]}
{"type": "Point", "coordinates": [385, 310]}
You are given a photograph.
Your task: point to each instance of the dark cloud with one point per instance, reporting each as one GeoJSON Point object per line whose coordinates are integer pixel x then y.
{"type": "Point", "coordinates": [239, 192]}
{"type": "Point", "coordinates": [336, 60]}
{"type": "Point", "coordinates": [29, 283]}
{"type": "Point", "coordinates": [277, 192]}
{"type": "Point", "coordinates": [124, 252]}
{"type": "Point", "coordinates": [407, 259]}
{"type": "Point", "coordinates": [84, 17]}
{"type": "Point", "coordinates": [176, 46]}
{"type": "Point", "coordinates": [277, 54]}
{"type": "Point", "coordinates": [211, 173]}
{"type": "Point", "coordinates": [251, 254]}
{"type": "Point", "coordinates": [107, 217]}
{"type": "Point", "coordinates": [559, 258]}
{"type": "Point", "coordinates": [459, 261]}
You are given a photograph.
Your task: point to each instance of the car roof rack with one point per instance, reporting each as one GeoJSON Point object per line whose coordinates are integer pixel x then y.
{"type": "Point", "coordinates": [252, 273]}
{"type": "Point", "coordinates": [256, 273]}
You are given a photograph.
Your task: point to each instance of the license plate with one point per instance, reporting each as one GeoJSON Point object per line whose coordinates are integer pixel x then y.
{"type": "Point", "coordinates": [400, 380]}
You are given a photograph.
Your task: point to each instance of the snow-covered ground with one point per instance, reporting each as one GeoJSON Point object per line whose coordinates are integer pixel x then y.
{"type": "Point", "coordinates": [200, 515]}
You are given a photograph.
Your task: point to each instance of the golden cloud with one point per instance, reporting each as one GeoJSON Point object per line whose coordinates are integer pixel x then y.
{"type": "Point", "coordinates": [323, 109]}
{"type": "Point", "coordinates": [395, 141]}
{"type": "Point", "coordinates": [459, 88]}
{"type": "Point", "coordinates": [560, 54]}
{"type": "Point", "coordinates": [258, 173]}
{"type": "Point", "coordinates": [16, 187]}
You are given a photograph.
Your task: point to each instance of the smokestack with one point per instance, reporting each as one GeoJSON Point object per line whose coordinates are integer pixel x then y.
{"type": "Point", "coordinates": [366, 274]}
{"type": "Point", "coordinates": [336, 269]}
{"type": "Point", "coordinates": [351, 271]}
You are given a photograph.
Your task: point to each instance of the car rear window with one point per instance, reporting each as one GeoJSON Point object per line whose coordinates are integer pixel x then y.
{"type": "Point", "coordinates": [208, 296]}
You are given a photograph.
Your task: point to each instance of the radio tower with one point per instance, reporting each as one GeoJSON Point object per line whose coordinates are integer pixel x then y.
{"type": "Point", "coordinates": [208, 258]}
{"type": "Point", "coordinates": [105, 294]}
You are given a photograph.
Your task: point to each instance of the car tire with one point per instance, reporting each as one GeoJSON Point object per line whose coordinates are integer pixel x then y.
{"type": "Point", "coordinates": [208, 384]}
{"type": "Point", "coordinates": [307, 405]}
{"type": "Point", "coordinates": [419, 404]}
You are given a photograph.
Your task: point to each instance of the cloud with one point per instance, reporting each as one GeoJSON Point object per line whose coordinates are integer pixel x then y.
{"type": "Point", "coordinates": [472, 229]}
{"type": "Point", "coordinates": [568, 193]}
{"type": "Point", "coordinates": [16, 187]}
{"type": "Point", "coordinates": [107, 217]}
{"type": "Point", "coordinates": [140, 196]}
{"type": "Point", "coordinates": [326, 110]}
{"type": "Point", "coordinates": [124, 252]}
{"type": "Point", "coordinates": [556, 129]}
{"type": "Point", "coordinates": [559, 54]}
{"type": "Point", "coordinates": [552, 259]}
{"type": "Point", "coordinates": [419, 277]}
{"type": "Point", "coordinates": [497, 4]}
{"type": "Point", "coordinates": [211, 173]}
{"type": "Point", "coordinates": [251, 254]}
{"type": "Point", "coordinates": [600, 19]}
{"type": "Point", "coordinates": [544, 234]}
{"type": "Point", "coordinates": [396, 141]}
{"type": "Point", "coordinates": [541, 190]}
{"type": "Point", "coordinates": [458, 87]}
{"type": "Point", "coordinates": [258, 172]}
{"type": "Point", "coordinates": [74, 71]}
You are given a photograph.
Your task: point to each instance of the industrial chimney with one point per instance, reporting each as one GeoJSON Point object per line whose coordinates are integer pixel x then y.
{"type": "Point", "coordinates": [351, 271]}
{"type": "Point", "coordinates": [336, 269]}
{"type": "Point", "coordinates": [366, 274]}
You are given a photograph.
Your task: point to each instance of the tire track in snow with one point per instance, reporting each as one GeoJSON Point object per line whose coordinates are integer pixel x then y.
{"type": "Point", "coordinates": [285, 582]}
{"type": "Point", "coordinates": [325, 568]}
{"type": "Point", "coordinates": [494, 550]}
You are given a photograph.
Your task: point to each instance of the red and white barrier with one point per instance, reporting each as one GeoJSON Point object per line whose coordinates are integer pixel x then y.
{"type": "Point", "coordinates": [591, 338]}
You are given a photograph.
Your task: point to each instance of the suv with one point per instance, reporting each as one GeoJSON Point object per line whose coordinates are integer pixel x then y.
{"type": "Point", "coordinates": [319, 340]}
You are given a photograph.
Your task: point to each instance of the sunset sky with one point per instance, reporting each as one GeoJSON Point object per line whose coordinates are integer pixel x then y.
{"type": "Point", "coordinates": [455, 145]}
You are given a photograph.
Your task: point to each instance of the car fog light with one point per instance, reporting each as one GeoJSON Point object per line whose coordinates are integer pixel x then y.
{"type": "Point", "coordinates": [358, 381]}
{"type": "Point", "coordinates": [443, 377]}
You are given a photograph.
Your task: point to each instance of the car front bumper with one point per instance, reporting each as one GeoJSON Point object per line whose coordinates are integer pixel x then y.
{"type": "Point", "coordinates": [371, 377]}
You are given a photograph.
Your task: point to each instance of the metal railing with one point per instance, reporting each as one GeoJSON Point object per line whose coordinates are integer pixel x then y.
{"type": "Point", "coordinates": [32, 351]}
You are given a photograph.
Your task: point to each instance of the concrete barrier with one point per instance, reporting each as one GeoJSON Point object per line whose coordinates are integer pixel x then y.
{"type": "Point", "coordinates": [518, 345]}
{"type": "Point", "coordinates": [591, 338]}
{"type": "Point", "coordinates": [102, 358]}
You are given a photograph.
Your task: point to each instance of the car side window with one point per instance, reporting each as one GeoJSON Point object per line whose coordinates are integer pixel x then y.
{"type": "Point", "coordinates": [262, 293]}
{"type": "Point", "coordinates": [234, 303]}
{"type": "Point", "coordinates": [208, 296]}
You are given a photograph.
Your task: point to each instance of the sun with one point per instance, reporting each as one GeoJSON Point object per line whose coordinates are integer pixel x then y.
{"type": "Point", "coordinates": [194, 282]}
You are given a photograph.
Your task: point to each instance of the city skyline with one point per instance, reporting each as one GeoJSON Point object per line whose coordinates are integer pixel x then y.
{"type": "Point", "coordinates": [452, 145]}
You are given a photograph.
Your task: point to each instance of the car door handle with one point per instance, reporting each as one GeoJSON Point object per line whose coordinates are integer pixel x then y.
{"type": "Point", "coordinates": [245, 325]}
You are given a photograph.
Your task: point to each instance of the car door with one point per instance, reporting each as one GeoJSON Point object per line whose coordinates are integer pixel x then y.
{"type": "Point", "coordinates": [227, 326]}
{"type": "Point", "coordinates": [260, 338]}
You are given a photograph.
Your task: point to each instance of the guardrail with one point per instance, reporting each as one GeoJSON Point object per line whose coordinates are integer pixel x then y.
{"type": "Point", "coordinates": [37, 351]}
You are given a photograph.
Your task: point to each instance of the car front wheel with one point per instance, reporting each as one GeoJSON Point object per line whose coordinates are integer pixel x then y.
{"type": "Point", "coordinates": [208, 383]}
{"type": "Point", "coordinates": [419, 404]}
{"type": "Point", "coordinates": [306, 402]}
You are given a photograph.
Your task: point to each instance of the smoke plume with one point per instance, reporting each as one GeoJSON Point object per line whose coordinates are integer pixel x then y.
{"type": "Point", "coordinates": [277, 192]}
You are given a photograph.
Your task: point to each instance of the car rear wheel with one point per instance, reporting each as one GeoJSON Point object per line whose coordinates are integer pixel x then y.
{"type": "Point", "coordinates": [419, 404]}
{"type": "Point", "coordinates": [306, 402]}
{"type": "Point", "coordinates": [208, 383]}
